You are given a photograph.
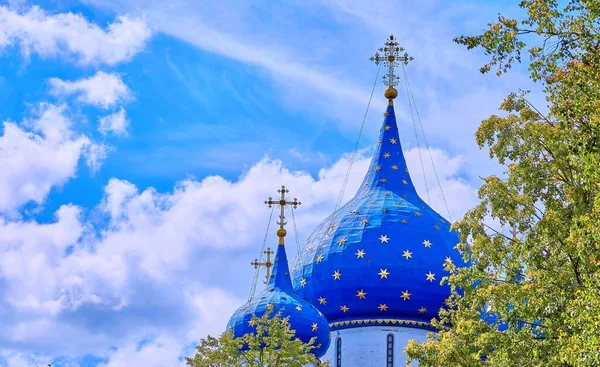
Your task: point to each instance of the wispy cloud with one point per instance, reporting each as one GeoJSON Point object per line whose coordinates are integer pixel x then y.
{"type": "Point", "coordinates": [318, 68]}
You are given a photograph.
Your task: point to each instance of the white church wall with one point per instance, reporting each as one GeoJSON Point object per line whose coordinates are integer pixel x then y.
{"type": "Point", "coordinates": [367, 346]}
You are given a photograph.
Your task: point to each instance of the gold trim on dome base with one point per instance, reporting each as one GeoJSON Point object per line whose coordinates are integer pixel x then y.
{"type": "Point", "coordinates": [374, 322]}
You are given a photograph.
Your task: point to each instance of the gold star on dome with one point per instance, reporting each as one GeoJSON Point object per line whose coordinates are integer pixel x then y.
{"type": "Point", "coordinates": [387, 127]}
{"type": "Point", "coordinates": [303, 282]}
{"type": "Point", "coordinates": [384, 238]}
{"type": "Point", "coordinates": [342, 241]}
{"type": "Point", "coordinates": [436, 227]}
{"type": "Point", "coordinates": [405, 295]}
{"type": "Point", "coordinates": [395, 167]}
{"type": "Point", "coordinates": [442, 220]}
{"type": "Point", "coordinates": [406, 169]}
{"type": "Point", "coordinates": [319, 258]}
{"type": "Point", "coordinates": [354, 212]}
{"type": "Point", "coordinates": [379, 141]}
{"type": "Point", "coordinates": [448, 260]}
{"type": "Point", "coordinates": [383, 180]}
{"type": "Point", "coordinates": [364, 221]}
{"type": "Point", "coordinates": [385, 210]}
{"type": "Point", "coordinates": [399, 203]}
{"type": "Point", "coordinates": [252, 322]}
{"type": "Point", "coordinates": [360, 254]}
{"type": "Point", "coordinates": [337, 275]}
{"type": "Point", "coordinates": [426, 243]}
{"type": "Point", "coordinates": [344, 308]}
{"type": "Point", "coordinates": [405, 182]}
{"type": "Point", "coordinates": [299, 308]}
{"type": "Point", "coordinates": [366, 184]}
{"type": "Point", "coordinates": [377, 168]}
{"type": "Point", "coordinates": [269, 306]}
{"type": "Point", "coordinates": [404, 221]}
{"type": "Point", "coordinates": [407, 254]}
{"type": "Point", "coordinates": [382, 307]}
{"type": "Point", "coordinates": [386, 114]}
{"type": "Point", "coordinates": [393, 141]}
{"type": "Point", "coordinates": [422, 310]}
{"type": "Point", "coordinates": [387, 194]}
{"type": "Point", "coordinates": [361, 294]}
{"type": "Point", "coordinates": [314, 326]}
{"type": "Point", "coordinates": [418, 214]}
{"type": "Point", "coordinates": [322, 300]}
{"type": "Point", "coordinates": [386, 155]}
{"type": "Point", "coordinates": [430, 276]}
{"type": "Point", "coordinates": [383, 273]}
{"type": "Point", "coordinates": [318, 346]}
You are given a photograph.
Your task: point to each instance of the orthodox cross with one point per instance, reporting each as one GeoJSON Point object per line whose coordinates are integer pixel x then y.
{"type": "Point", "coordinates": [390, 59]}
{"type": "Point", "coordinates": [283, 202]}
{"type": "Point", "coordinates": [267, 264]}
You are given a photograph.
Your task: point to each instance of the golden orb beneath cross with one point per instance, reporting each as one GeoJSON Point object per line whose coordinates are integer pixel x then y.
{"type": "Point", "coordinates": [390, 93]}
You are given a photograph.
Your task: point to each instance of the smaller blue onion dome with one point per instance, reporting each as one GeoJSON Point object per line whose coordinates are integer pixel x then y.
{"type": "Point", "coordinates": [279, 296]}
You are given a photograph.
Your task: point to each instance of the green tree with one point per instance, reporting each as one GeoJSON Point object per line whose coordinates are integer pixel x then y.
{"type": "Point", "coordinates": [544, 284]}
{"type": "Point", "coordinates": [272, 345]}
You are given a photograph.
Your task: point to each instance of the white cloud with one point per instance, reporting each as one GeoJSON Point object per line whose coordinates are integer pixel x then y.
{"type": "Point", "coordinates": [211, 312]}
{"type": "Point", "coordinates": [455, 191]}
{"type": "Point", "coordinates": [26, 360]}
{"type": "Point", "coordinates": [41, 154]}
{"type": "Point", "coordinates": [158, 352]}
{"type": "Point", "coordinates": [145, 258]}
{"type": "Point", "coordinates": [28, 251]}
{"type": "Point", "coordinates": [116, 123]}
{"type": "Point", "coordinates": [95, 154]}
{"type": "Point", "coordinates": [50, 35]}
{"type": "Point", "coordinates": [103, 90]}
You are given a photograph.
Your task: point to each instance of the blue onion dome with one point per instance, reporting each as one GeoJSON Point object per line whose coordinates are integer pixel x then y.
{"type": "Point", "coordinates": [379, 259]}
{"type": "Point", "coordinates": [304, 318]}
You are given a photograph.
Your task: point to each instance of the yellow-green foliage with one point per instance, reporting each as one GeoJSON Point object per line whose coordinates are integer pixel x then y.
{"type": "Point", "coordinates": [550, 193]}
{"type": "Point", "coordinates": [272, 345]}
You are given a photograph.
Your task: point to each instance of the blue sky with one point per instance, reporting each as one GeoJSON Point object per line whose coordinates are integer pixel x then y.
{"type": "Point", "coordinates": [140, 139]}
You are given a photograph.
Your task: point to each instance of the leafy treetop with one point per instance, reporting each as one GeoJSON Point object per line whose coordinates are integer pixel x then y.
{"type": "Point", "coordinates": [545, 284]}
{"type": "Point", "coordinates": [272, 345]}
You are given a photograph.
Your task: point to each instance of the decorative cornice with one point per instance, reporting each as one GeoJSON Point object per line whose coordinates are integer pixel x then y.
{"type": "Point", "coordinates": [375, 322]}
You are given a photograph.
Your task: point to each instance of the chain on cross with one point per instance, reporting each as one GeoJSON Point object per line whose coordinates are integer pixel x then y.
{"type": "Point", "coordinates": [390, 59]}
